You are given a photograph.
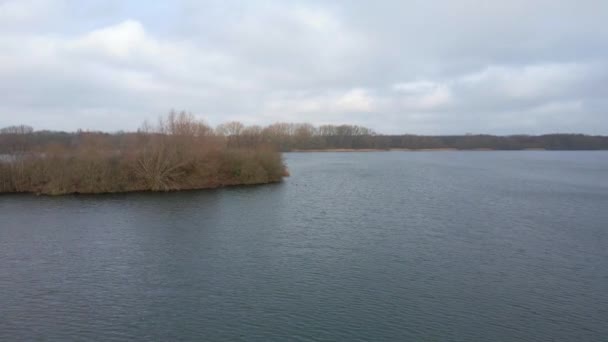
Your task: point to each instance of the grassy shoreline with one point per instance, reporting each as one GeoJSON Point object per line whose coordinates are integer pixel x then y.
{"type": "Point", "coordinates": [347, 150]}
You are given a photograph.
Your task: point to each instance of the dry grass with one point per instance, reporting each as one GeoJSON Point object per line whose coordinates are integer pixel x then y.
{"type": "Point", "coordinates": [176, 154]}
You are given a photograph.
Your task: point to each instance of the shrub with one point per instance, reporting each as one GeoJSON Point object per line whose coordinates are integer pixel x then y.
{"type": "Point", "coordinates": [178, 153]}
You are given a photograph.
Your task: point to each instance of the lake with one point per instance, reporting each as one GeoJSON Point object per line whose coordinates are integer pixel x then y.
{"type": "Point", "coordinates": [394, 246]}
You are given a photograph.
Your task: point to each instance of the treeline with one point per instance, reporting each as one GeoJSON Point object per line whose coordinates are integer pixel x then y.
{"type": "Point", "coordinates": [283, 136]}
{"type": "Point", "coordinates": [303, 136]}
{"type": "Point", "coordinates": [177, 153]}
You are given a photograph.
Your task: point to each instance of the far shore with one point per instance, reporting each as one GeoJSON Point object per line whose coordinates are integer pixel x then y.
{"type": "Point", "coordinates": [406, 150]}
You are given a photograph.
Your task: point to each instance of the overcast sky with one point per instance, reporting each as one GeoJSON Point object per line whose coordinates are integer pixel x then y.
{"type": "Point", "coordinates": [426, 67]}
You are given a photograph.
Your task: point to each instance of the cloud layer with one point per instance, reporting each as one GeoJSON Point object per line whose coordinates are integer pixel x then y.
{"type": "Point", "coordinates": [396, 66]}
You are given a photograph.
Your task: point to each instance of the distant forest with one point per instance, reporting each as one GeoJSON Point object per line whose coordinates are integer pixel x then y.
{"type": "Point", "coordinates": [302, 136]}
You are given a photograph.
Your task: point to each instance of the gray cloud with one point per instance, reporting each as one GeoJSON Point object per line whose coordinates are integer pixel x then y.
{"type": "Point", "coordinates": [396, 66]}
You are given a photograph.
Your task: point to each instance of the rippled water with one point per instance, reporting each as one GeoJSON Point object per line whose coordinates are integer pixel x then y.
{"type": "Point", "coordinates": [438, 246]}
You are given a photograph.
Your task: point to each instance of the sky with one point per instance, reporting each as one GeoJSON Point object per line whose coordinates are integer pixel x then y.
{"type": "Point", "coordinates": [396, 66]}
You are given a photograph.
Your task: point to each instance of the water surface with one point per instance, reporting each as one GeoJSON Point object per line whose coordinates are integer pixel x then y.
{"type": "Point", "coordinates": [430, 246]}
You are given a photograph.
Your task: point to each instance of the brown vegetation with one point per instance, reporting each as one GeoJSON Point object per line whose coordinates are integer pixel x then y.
{"type": "Point", "coordinates": [177, 153]}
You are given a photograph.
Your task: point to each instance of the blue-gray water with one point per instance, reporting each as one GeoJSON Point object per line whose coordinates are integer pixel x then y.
{"type": "Point", "coordinates": [438, 246]}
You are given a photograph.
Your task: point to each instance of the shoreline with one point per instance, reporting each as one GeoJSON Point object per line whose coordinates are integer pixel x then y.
{"type": "Point", "coordinates": [348, 150]}
{"type": "Point", "coordinates": [139, 191]}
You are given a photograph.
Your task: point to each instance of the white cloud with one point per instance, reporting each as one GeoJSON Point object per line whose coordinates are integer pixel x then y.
{"type": "Point", "coordinates": [422, 95]}
{"type": "Point", "coordinates": [334, 106]}
{"type": "Point", "coordinates": [121, 41]}
{"type": "Point", "coordinates": [20, 15]}
{"type": "Point", "coordinates": [421, 67]}
{"type": "Point", "coordinates": [355, 100]}
{"type": "Point", "coordinates": [529, 81]}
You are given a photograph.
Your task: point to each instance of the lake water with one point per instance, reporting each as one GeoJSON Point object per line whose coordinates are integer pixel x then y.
{"type": "Point", "coordinates": [396, 246]}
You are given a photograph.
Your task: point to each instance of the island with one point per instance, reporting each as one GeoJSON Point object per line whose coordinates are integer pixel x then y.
{"type": "Point", "coordinates": [178, 153]}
